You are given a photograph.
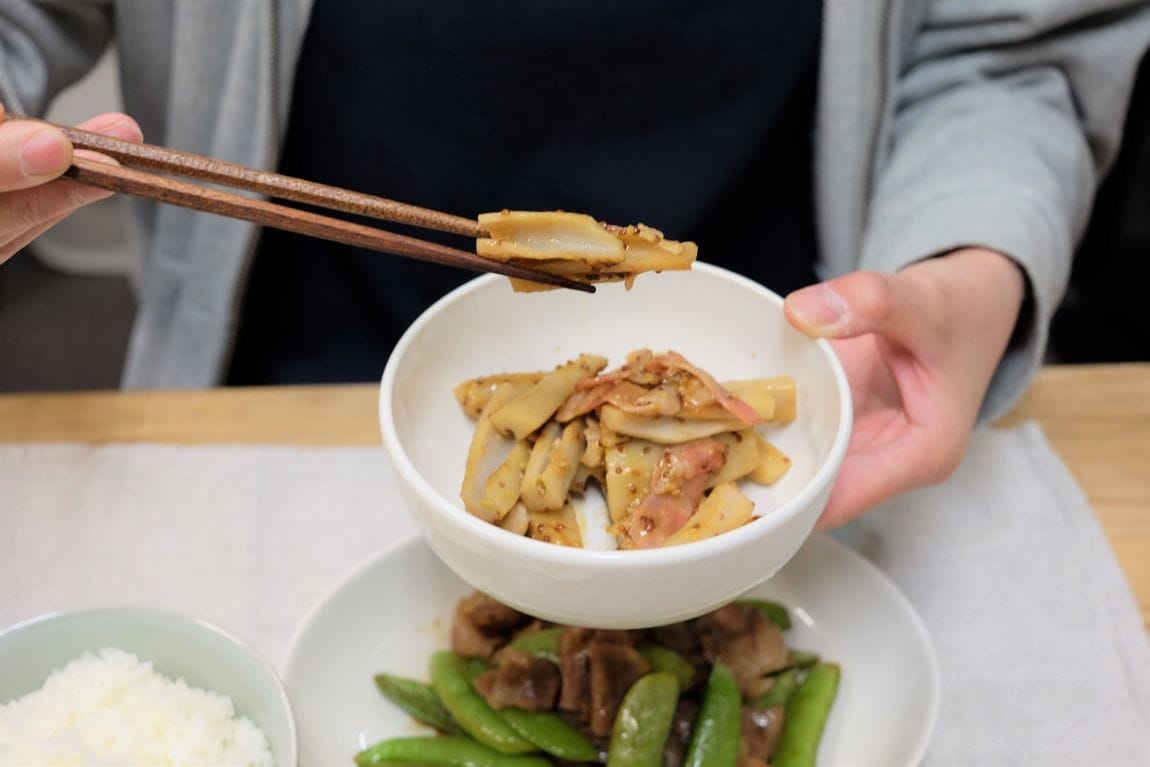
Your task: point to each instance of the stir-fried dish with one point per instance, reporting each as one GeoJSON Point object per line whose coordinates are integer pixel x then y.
{"type": "Point", "coordinates": [576, 246]}
{"type": "Point", "coordinates": [722, 690]}
{"type": "Point", "coordinates": [661, 439]}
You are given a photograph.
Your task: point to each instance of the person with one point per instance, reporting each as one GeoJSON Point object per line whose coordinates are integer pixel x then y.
{"type": "Point", "coordinates": [956, 147]}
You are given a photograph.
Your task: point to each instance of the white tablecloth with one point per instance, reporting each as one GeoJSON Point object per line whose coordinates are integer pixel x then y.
{"type": "Point", "coordinates": [1043, 655]}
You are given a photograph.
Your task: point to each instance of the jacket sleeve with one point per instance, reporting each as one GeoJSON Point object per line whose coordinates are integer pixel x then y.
{"type": "Point", "coordinates": [1006, 115]}
{"type": "Point", "coordinates": [46, 45]}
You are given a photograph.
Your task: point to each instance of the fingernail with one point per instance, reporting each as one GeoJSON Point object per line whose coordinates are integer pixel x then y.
{"type": "Point", "coordinates": [817, 307]}
{"type": "Point", "coordinates": [43, 153]}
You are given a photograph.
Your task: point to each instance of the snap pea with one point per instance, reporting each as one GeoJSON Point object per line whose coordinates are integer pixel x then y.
{"type": "Point", "coordinates": [551, 734]}
{"type": "Point", "coordinates": [450, 681]}
{"type": "Point", "coordinates": [664, 659]}
{"type": "Point", "coordinates": [542, 644]}
{"type": "Point", "coordinates": [644, 721]}
{"type": "Point", "coordinates": [781, 689]}
{"type": "Point", "coordinates": [806, 716]}
{"type": "Point", "coordinates": [474, 668]}
{"type": "Point", "coordinates": [718, 727]}
{"type": "Point", "coordinates": [419, 700]}
{"type": "Point", "coordinates": [444, 751]}
{"type": "Point", "coordinates": [801, 658]}
{"type": "Point", "coordinates": [772, 611]}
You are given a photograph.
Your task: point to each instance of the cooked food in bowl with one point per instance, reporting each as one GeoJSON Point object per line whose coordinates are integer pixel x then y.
{"type": "Point", "coordinates": [110, 707]}
{"type": "Point", "coordinates": [661, 439]}
{"type": "Point", "coordinates": [722, 689]}
{"type": "Point", "coordinates": [576, 246]}
{"type": "Point", "coordinates": [138, 686]}
{"type": "Point", "coordinates": [724, 324]}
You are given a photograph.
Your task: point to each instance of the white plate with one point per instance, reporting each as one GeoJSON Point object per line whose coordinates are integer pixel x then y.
{"type": "Point", "coordinates": [395, 609]}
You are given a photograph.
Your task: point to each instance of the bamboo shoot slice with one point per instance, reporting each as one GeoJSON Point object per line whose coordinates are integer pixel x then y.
{"type": "Point", "coordinates": [576, 246]}
{"type": "Point", "coordinates": [629, 466]}
{"type": "Point", "coordinates": [488, 451]}
{"type": "Point", "coordinates": [666, 430]}
{"type": "Point", "coordinates": [552, 466]}
{"type": "Point", "coordinates": [473, 395]}
{"type": "Point", "coordinates": [773, 463]}
{"type": "Point", "coordinates": [559, 526]}
{"type": "Point", "coordinates": [532, 408]}
{"type": "Point", "coordinates": [502, 489]}
{"type": "Point", "coordinates": [516, 520]}
{"type": "Point", "coordinates": [756, 392]}
{"type": "Point", "coordinates": [742, 456]}
{"type": "Point", "coordinates": [783, 390]}
{"type": "Point", "coordinates": [593, 455]}
{"type": "Point", "coordinates": [720, 512]}
{"type": "Point", "coordinates": [584, 476]}
{"type": "Point", "coordinates": [548, 235]}
{"type": "Point", "coordinates": [649, 251]}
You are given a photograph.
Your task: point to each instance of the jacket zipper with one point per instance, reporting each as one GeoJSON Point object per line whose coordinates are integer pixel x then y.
{"type": "Point", "coordinates": [887, 50]}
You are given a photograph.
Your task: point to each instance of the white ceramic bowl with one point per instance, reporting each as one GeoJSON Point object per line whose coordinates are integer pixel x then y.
{"type": "Point", "coordinates": [390, 613]}
{"type": "Point", "coordinates": [730, 326]}
{"type": "Point", "coordinates": [204, 655]}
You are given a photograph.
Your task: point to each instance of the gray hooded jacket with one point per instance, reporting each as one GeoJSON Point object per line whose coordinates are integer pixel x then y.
{"type": "Point", "coordinates": [941, 124]}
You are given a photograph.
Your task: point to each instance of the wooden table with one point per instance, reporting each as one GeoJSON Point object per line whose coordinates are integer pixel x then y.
{"type": "Point", "coordinates": [1096, 417]}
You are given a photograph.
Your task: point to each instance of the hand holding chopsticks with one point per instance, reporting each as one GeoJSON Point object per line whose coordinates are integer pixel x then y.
{"type": "Point", "coordinates": [131, 177]}
{"type": "Point", "coordinates": [33, 197]}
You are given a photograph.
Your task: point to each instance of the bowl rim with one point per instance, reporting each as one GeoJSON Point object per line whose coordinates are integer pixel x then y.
{"type": "Point", "coordinates": [200, 624]}
{"type": "Point", "coordinates": [563, 555]}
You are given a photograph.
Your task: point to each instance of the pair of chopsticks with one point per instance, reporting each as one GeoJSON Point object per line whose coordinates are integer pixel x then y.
{"type": "Point", "coordinates": [126, 179]}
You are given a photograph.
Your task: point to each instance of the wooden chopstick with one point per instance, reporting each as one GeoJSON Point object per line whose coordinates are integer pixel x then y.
{"type": "Point", "coordinates": [201, 168]}
{"type": "Point", "coordinates": [127, 180]}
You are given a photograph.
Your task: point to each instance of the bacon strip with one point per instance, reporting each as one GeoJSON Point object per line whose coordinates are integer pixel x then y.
{"type": "Point", "coordinates": [641, 400]}
{"type": "Point", "coordinates": [583, 400]}
{"type": "Point", "coordinates": [610, 377]}
{"type": "Point", "coordinates": [730, 402]}
{"type": "Point", "coordinates": [677, 485]}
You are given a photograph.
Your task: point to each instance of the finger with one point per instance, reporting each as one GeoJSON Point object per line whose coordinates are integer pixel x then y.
{"type": "Point", "coordinates": [111, 124]}
{"type": "Point", "coordinates": [25, 215]}
{"type": "Point", "coordinates": [115, 125]}
{"type": "Point", "coordinates": [30, 208]}
{"type": "Point", "coordinates": [856, 304]}
{"type": "Point", "coordinates": [915, 445]}
{"type": "Point", "coordinates": [861, 485]}
{"type": "Point", "coordinates": [12, 248]}
{"type": "Point", "coordinates": [31, 154]}
{"type": "Point", "coordinates": [924, 455]}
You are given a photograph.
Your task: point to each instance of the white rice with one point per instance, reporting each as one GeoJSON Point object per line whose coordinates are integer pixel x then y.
{"type": "Point", "coordinates": [112, 710]}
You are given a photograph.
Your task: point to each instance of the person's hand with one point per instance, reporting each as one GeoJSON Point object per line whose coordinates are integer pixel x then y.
{"type": "Point", "coordinates": [919, 347]}
{"type": "Point", "coordinates": [32, 156]}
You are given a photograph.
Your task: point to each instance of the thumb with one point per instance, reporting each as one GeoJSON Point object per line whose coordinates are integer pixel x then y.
{"type": "Point", "coordinates": [31, 154]}
{"type": "Point", "coordinates": [853, 305]}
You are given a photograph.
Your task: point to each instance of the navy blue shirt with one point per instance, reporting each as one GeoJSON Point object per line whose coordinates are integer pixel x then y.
{"type": "Point", "coordinates": [693, 117]}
